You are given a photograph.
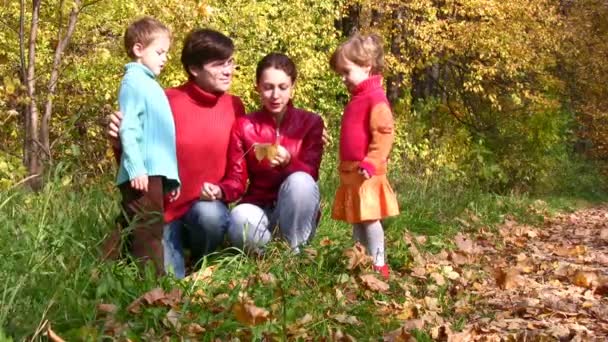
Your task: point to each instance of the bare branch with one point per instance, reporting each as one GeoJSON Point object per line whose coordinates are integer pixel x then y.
{"type": "Point", "coordinates": [62, 44]}
{"type": "Point", "coordinates": [23, 68]}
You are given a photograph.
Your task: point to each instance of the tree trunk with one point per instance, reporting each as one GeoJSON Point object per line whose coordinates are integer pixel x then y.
{"type": "Point", "coordinates": [350, 24]}
{"type": "Point", "coordinates": [23, 74]}
{"type": "Point", "coordinates": [63, 42]}
{"type": "Point", "coordinates": [394, 82]}
{"type": "Point", "coordinates": [32, 148]}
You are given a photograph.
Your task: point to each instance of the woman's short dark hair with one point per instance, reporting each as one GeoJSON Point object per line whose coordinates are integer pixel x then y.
{"type": "Point", "coordinates": [278, 61]}
{"type": "Point", "coordinates": [203, 46]}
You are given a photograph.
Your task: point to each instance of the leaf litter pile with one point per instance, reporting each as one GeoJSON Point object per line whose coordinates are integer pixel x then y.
{"type": "Point", "coordinates": [523, 283]}
{"type": "Point", "coordinates": [513, 283]}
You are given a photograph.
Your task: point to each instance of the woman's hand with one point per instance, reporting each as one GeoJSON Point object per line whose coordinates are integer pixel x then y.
{"type": "Point", "coordinates": [114, 121]}
{"type": "Point", "coordinates": [211, 192]}
{"type": "Point", "coordinates": [282, 158]}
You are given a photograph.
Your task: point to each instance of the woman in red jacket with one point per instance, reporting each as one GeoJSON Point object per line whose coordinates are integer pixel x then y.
{"type": "Point", "coordinates": [281, 147]}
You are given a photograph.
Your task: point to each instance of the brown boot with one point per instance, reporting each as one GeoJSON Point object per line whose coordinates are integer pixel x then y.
{"type": "Point", "coordinates": [145, 211]}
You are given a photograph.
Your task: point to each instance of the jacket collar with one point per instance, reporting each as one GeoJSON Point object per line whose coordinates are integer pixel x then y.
{"type": "Point", "coordinates": [372, 83]}
{"type": "Point", "coordinates": [270, 116]}
{"type": "Point", "coordinates": [138, 67]}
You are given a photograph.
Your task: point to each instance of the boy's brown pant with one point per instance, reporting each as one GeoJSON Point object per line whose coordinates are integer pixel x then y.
{"type": "Point", "coordinates": [144, 217]}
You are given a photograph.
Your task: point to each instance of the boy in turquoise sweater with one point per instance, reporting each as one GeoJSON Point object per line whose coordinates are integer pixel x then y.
{"type": "Point", "coordinates": [148, 165]}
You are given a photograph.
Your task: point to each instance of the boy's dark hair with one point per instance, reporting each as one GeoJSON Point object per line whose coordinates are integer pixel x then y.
{"type": "Point", "coordinates": [203, 46]}
{"type": "Point", "coordinates": [278, 61]}
{"type": "Point", "coordinates": [143, 31]}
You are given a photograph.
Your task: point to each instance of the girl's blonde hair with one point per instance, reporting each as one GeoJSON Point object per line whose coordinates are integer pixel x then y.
{"type": "Point", "coordinates": [363, 50]}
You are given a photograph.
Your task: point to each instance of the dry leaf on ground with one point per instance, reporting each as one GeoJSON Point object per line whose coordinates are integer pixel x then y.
{"type": "Point", "coordinates": [346, 319]}
{"type": "Point", "coordinates": [156, 297]}
{"type": "Point", "coordinates": [373, 283]}
{"type": "Point", "coordinates": [465, 244]}
{"type": "Point", "coordinates": [357, 256]}
{"type": "Point", "coordinates": [106, 309]}
{"type": "Point", "coordinates": [249, 314]}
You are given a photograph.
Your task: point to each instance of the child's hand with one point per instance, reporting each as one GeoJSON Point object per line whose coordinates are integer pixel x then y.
{"type": "Point", "coordinates": [363, 172]}
{"type": "Point", "coordinates": [211, 192]}
{"type": "Point", "coordinates": [140, 183]}
{"type": "Point", "coordinates": [281, 158]}
{"type": "Point", "coordinates": [114, 121]}
{"type": "Point", "coordinates": [174, 195]}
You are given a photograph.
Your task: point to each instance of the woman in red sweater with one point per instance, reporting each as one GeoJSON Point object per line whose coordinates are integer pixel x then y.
{"type": "Point", "coordinates": [280, 147]}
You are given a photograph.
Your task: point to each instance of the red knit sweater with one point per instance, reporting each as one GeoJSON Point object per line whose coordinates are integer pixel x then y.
{"type": "Point", "coordinates": [367, 129]}
{"type": "Point", "coordinates": [203, 122]}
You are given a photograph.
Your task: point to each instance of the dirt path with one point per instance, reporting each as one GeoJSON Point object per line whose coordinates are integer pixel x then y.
{"type": "Point", "coordinates": [524, 284]}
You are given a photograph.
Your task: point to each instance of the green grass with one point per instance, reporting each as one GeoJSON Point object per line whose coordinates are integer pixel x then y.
{"type": "Point", "coordinates": [51, 270]}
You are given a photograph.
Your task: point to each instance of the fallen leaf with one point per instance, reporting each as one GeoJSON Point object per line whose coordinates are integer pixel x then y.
{"type": "Point", "coordinates": [346, 319]}
{"type": "Point", "coordinates": [267, 278]}
{"type": "Point", "coordinates": [459, 258]}
{"type": "Point", "coordinates": [465, 244]}
{"type": "Point", "coordinates": [339, 336]}
{"type": "Point", "coordinates": [559, 331]}
{"type": "Point", "coordinates": [570, 251]}
{"type": "Point", "coordinates": [421, 239]}
{"type": "Point", "coordinates": [112, 327]}
{"type": "Point", "coordinates": [419, 272]}
{"type": "Point", "coordinates": [508, 278]}
{"type": "Point", "coordinates": [432, 303]}
{"type": "Point", "coordinates": [325, 242]}
{"type": "Point", "coordinates": [412, 324]}
{"type": "Point", "coordinates": [339, 294]}
{"type": "Point", "coordinates": [107, 309]}
{"type": "Point", "coordinates": [441, 333]}
{"type": "Point", "coordinates": [172, 318]}
{"type": "Point", "coordinates": [249, 314]}
{"type": "Point", "coordinates": [202, 275]}
{"type": "Point", "coordinates": [373, 283]}
{"type": "Point", "coordinates": [585, 279]}
{"type": "Point", "coordinates": [399, 335]}
{"type": "Point", "coordinates": [438, 278]}
{"type": "Point", "coordinates": [305, 319]}
{"type": "Point", "coordinates": [602, 288]}
{"type": "Point", "coordinates": [356, 256]}
{"type": "Point", "coordinates": [156, 297]}
{"type": "Point", "coordinates": [604, 234]}
{"type": "Point", "coordinates": [193, 329]}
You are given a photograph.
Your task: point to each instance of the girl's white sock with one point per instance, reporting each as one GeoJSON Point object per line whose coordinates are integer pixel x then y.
{"type": "Point", "coordinates": [372, 236]}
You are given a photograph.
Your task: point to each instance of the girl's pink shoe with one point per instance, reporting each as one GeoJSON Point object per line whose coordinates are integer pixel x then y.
{"type": "Point", "coordinates": [383, 270]}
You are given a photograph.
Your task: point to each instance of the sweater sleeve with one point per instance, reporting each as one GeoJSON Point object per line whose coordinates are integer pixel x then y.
{"type": "Point", "coordinates": [308, 159]}
{"type": "Point", "coordinates": [131, 103]}
{"type": "Point", "coordinates": [235, 178]}
{"type": "Point", "coordinates": [382, 135]}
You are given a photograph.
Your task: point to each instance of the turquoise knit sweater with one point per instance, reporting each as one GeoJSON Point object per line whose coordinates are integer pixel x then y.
{"type": "Point", "coordinates": [147, 131]}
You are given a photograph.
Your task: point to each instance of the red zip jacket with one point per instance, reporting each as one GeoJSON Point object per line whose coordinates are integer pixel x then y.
{"type": "Point", "coordinates": [300, 133]}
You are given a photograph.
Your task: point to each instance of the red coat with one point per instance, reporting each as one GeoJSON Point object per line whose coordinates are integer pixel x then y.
{"type": "Point", "coordinates": [300, 133]}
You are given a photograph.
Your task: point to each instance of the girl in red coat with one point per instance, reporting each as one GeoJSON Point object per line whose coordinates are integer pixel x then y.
{"type": "Point", "coordinates": [364, 196]}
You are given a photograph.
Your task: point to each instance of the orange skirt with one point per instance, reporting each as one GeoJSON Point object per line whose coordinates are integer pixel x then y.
{"type": "Point", "coordinates": [359, 199]}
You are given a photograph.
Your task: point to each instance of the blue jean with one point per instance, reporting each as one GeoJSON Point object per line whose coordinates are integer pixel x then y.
{"type": "Point", "coordinates": [201, 230]}
{"type": "Point", "coordinates": [296, 213]}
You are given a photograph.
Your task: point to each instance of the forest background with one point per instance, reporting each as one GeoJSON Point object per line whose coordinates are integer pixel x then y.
{"type": "Point", "coordinates": [506, 99]}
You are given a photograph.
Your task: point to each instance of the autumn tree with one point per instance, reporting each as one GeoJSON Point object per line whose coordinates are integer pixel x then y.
{"type": "Point", "coordinates": [584, 68]}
